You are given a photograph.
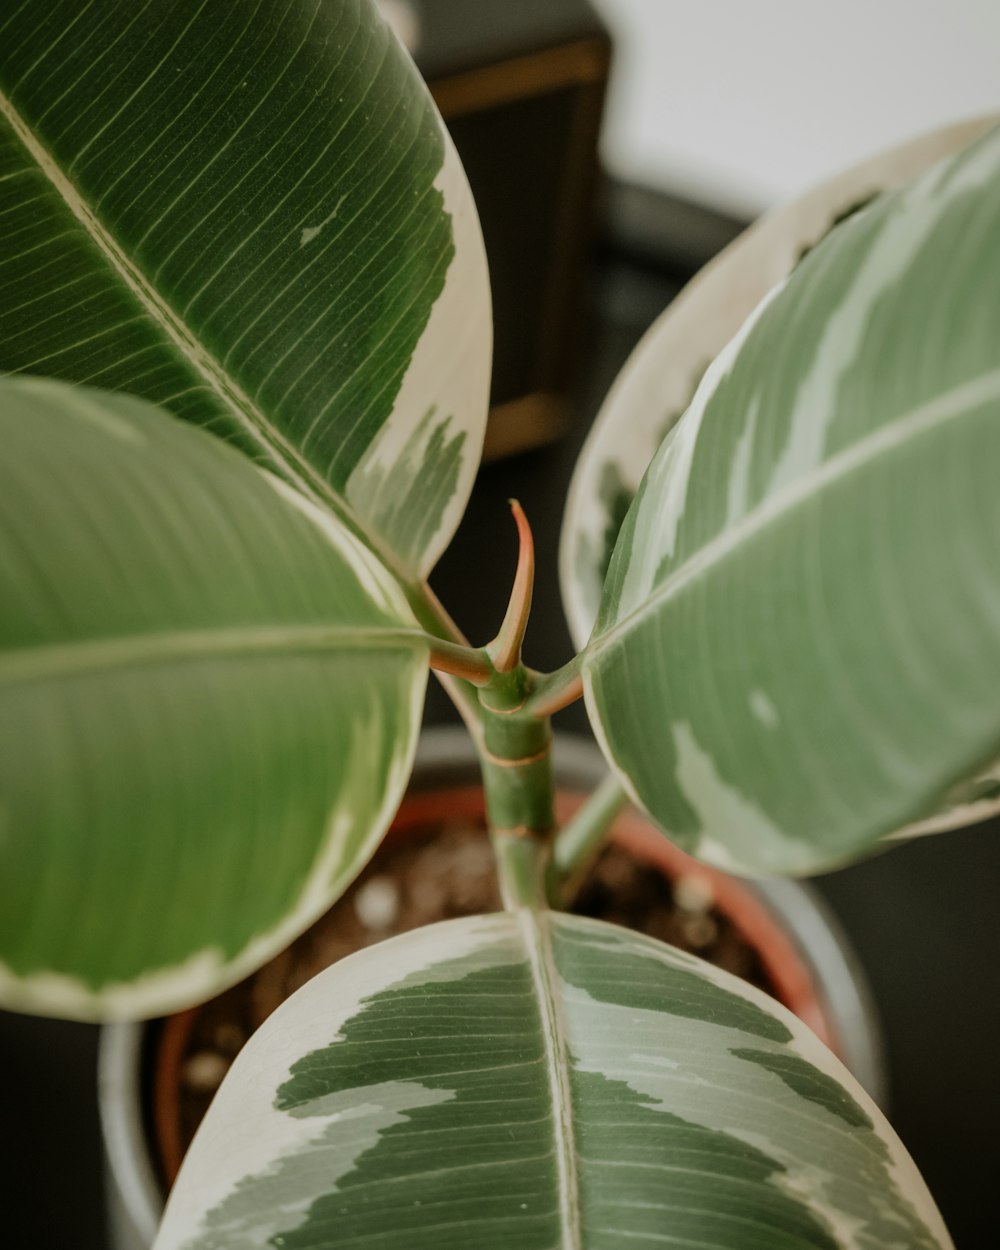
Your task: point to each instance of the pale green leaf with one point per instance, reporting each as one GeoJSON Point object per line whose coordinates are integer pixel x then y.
{"type": "Point", "coordinates": [545, 1082]}
{"type": "Point", "coordinates": [797, 651]}
{"type": "Point", "coordinates": [251, 214]}
{"type": "Point", "coordinates": [660, 377]}
{"type": "Point", "coordinates": [209, 700]}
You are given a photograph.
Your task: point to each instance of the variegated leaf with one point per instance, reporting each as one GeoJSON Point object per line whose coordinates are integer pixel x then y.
{"type": "Point", "coordinates": [251, 214]}
{"type": "Point", "coordinates": [545, 1082]}
{"type": "Point", "coordinates": [797, 651]}
{"type": "Point", "coordinates": [660, 377]}
{"type": "Point", "coordinates": [209, 699]}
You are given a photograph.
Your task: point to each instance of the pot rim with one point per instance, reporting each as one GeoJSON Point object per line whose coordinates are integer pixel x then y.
{"type": "Point", "coordinates": [446, 758]}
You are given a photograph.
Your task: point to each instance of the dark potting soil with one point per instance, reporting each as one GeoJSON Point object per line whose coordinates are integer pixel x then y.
{"type": "Point", "coordinates": [439, 875]}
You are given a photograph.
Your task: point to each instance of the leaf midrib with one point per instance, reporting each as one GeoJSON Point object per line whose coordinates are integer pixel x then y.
{"type": "Point", "coordinates": [226, 388]}
{"type": "Point", "coordinates": [536, 931]}
{"type": "Point", "coordinates": [955, 402]}
{"type": "Point", "coordinates": [92, 655]}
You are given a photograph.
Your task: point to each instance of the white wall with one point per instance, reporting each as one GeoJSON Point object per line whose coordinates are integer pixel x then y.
{"type": "Point", "coordinates": [743, 103]}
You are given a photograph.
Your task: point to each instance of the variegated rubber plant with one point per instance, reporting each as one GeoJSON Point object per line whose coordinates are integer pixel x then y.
{"type": "Point", "coordinates": [245, 313]}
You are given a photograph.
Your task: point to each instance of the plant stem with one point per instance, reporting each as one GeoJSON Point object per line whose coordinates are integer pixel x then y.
{"type": "Point", "coordinates": [517, 764]}
{"type": "Point", "coordinates": [579, 841]}
{"type": "Point", "coordinates": [509, 718]}
{"type": "Point", "coordinates": [521, 868]}
{"type": "Point", "coordinates": [433, 617]}
{"type": "Point", "coordinates": [520, 793]}
{"type": "Point", "coordinates": [557, 690]}
{"type": "Point", "coordinates": [457, 661]}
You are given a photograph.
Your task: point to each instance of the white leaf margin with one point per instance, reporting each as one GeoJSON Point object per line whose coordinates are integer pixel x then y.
{"type": "Point", "coordinates": [450, 369]}
{"type": "Point", "coordinates": [660, 376]}
{"type": "Point", "coordinates": [208, 971]}
{"type": "Point", "coordinates": [244, 1135]}
{"type": "Point", "coordinates": [804, 1044]}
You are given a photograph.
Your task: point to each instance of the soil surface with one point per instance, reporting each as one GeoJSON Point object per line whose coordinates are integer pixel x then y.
{"type": "Point", "coordinates": [437, 875]}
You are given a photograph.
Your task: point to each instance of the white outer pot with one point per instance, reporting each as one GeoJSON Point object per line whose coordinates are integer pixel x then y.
{"type": "Point", "coordinates": [446, 757]}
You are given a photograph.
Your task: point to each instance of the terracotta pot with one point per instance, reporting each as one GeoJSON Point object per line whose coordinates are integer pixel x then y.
{"type": "Point", "coordinates": [785, 968]}
{"type": "Point", "coordinates": [803, 955]}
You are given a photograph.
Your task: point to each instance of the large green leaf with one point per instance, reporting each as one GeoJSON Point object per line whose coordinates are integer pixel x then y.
{"type": "Point", "coordinates": [657, 382]}
{"type": "Point", "coordinates": [799, 643]}
{"type": "Point", "coordinates": [209, 701]}
{"type": "Point", "coordinates": [541, 1082]}
{"type": "Point", "coordinates": [251, 214]}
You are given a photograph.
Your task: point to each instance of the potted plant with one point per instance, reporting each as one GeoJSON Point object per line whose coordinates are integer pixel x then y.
{"type": "Point", "coordinates": [214, 655]}
{"type": "Point", "coordinates": [158, 1079]}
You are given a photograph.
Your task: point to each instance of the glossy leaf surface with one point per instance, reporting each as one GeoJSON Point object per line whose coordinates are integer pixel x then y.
{"type": "Point", "coordinates": [209, 700]}
{"type": "Point", "coordinates": [797, 648]}
{"type": "Point", "coordinates": [251, 214]}
{"type": "Point", "coordinates": [546, 1082]}
{"type": "Point", "coordinates": [660, 377]}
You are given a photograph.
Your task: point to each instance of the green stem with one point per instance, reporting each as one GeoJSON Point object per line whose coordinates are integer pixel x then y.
{"type": "Point", "coordinates": [557, 690]}
{"type": "Point", "coordinates": [432, 617]}
{"type": "Point", "coordinates": [521, 867]}
{"type": "Point", "coordinates": [511, 729]}
{"type": "Point", "coordinates": [520, 793]}
{"type": "Point", "coordinates": [579, 841]}
{"type": "Point", "coordinates": [516, 758]}
{"type": "Point", "coordinates": [513, 744]}
{"type": "Point", "coordinates": [458, 661]}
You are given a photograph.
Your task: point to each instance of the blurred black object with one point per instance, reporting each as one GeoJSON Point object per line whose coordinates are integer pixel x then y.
{"type": "Point", "coordinates": [521, 87]}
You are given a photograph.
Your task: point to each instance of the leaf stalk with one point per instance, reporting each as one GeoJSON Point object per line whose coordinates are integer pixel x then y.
{"type": "Point", "coordinates": [556, 690]}
{"type": "Point", "coordinates": [578, 842]}
{"type": "Point", "coordinates": [467, 663]}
